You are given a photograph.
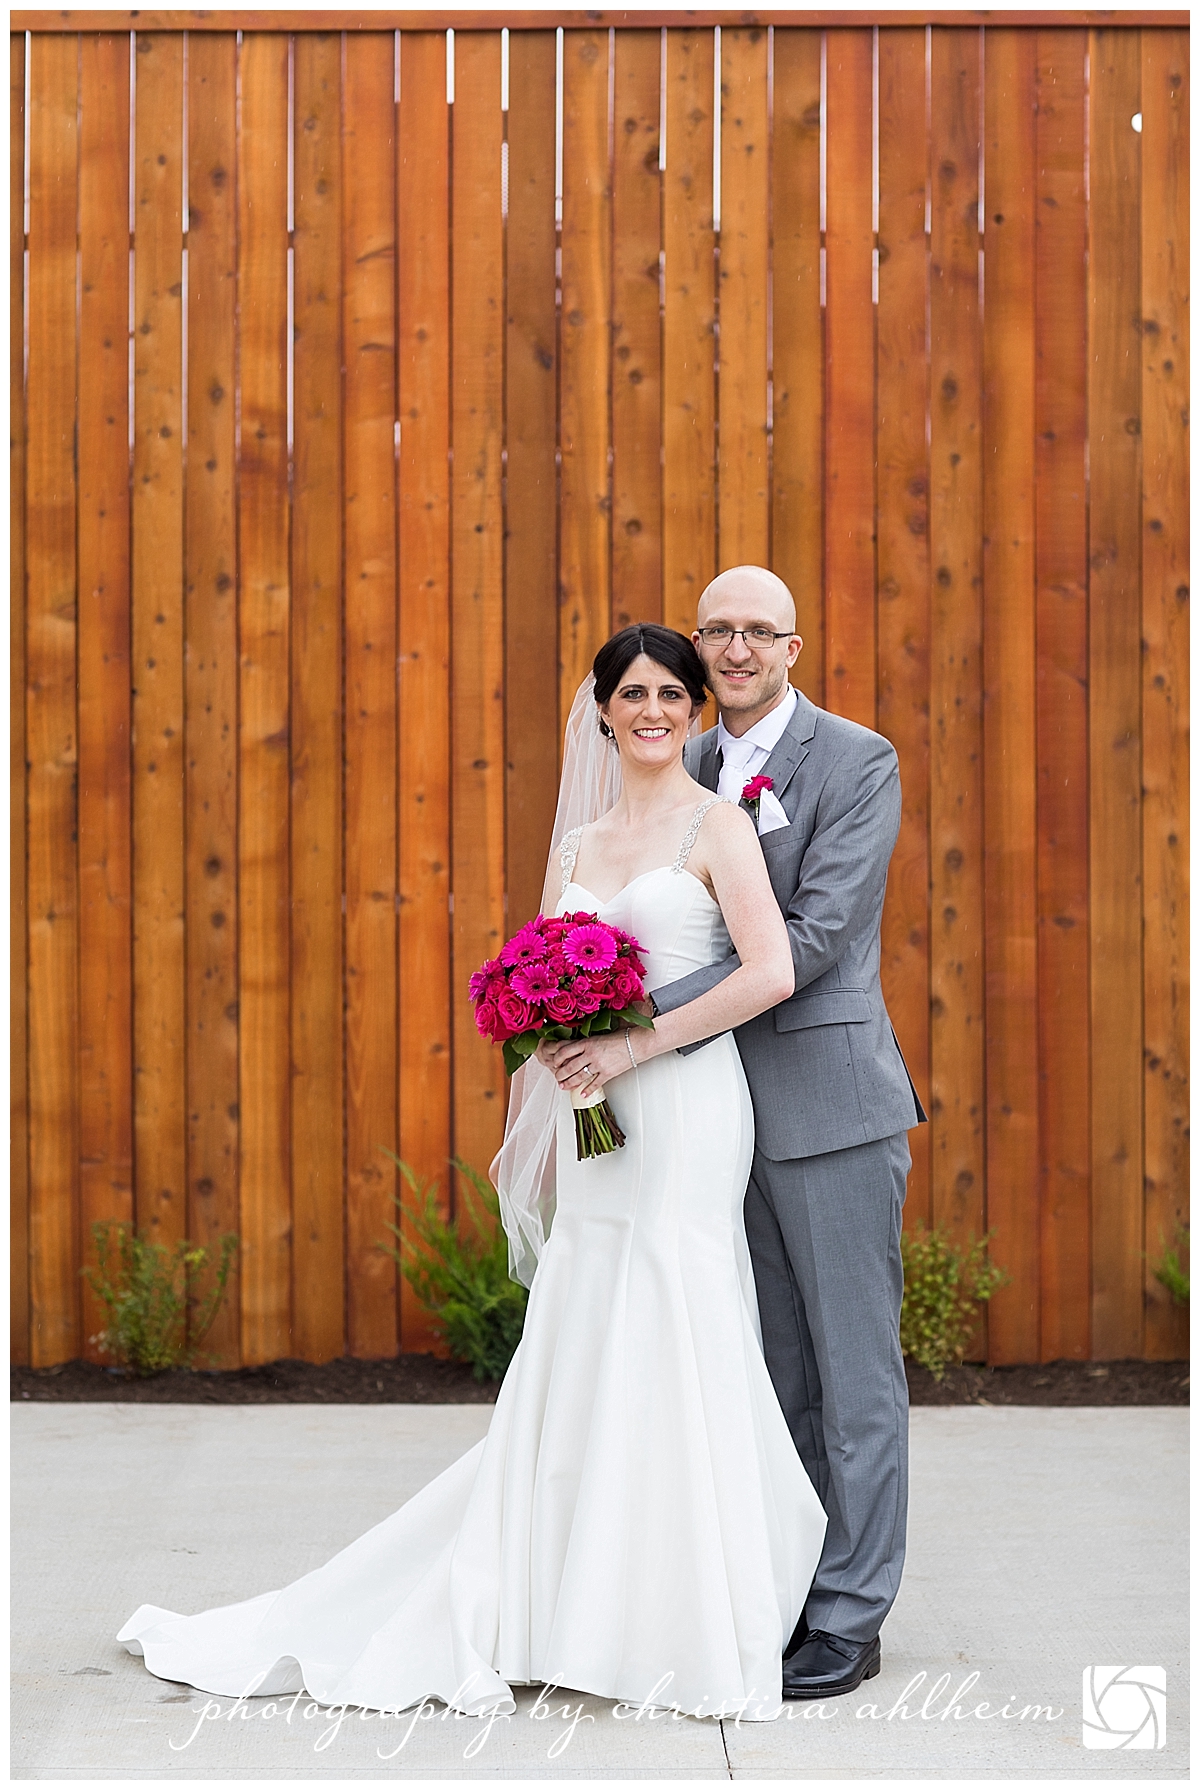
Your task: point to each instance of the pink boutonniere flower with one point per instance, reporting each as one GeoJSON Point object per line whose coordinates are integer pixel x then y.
{"type": "Point", "coordinates": [754, 789]}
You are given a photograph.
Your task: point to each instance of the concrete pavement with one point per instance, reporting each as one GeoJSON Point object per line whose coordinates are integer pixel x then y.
{"type": "Point", "coordinates": [1041, 1542]}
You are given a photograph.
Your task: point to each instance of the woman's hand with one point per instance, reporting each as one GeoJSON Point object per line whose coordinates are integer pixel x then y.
{"type": "Point", "coordinates": [582, 1064]}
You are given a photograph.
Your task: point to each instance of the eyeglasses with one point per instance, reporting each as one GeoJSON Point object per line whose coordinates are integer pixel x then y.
{"type": "Point", "coordinates": [721, 636]}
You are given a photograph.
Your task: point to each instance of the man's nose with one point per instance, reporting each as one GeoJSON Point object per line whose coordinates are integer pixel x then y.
{"type": "Point", "coordinates": [737, 649]}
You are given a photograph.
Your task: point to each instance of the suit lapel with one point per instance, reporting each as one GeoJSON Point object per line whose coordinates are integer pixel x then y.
{"type": "Point", "coordinates": [706, 769]}
{"type": "Point", "coordinates": [792, 747]}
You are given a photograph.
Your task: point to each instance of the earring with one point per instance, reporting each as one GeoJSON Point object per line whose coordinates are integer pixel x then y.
{"type": "Point", "coordinates": [605, 729]}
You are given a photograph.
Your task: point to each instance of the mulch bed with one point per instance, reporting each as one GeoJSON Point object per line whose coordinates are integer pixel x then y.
{"type": "Point", "coordinates": [426, 1380]}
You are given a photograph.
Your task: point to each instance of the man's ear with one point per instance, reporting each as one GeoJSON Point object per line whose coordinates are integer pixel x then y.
{"type": "Point", "coordinates": [795, 647]}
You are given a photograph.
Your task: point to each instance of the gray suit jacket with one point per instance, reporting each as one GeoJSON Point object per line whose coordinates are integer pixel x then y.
{"type": "Point", "coordinates": [824, 1068]}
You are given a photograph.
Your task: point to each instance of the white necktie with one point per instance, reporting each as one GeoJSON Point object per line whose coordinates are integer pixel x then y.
{"type": "Point", "coordinates": [734, 768]}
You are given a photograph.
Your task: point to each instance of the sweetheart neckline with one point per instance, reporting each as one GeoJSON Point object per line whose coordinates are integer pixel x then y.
{"type": "Point", "coordinates": [656, 871]}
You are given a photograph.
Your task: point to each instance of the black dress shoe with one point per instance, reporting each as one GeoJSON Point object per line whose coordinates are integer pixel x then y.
{"type": "Point", "coordinates": [828, 1666]}
{"type": "Point", "coordinates": [799, 1636]}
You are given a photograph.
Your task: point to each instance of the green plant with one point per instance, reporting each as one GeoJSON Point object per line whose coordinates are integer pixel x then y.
{"type": "Point", "coordinates": [943, 1286]}
{"type": "Point", "coordinates": [155, 1320]}
{"type": "Point", "coordinates": [460, 1272]}
{"type": "Point", "coordinates": [1173, 1271]}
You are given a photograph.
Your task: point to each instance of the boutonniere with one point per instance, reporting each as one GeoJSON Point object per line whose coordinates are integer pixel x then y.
{"type": "Point", "coordinates": [754, 789]}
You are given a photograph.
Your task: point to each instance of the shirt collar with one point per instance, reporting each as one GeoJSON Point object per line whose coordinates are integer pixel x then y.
{"type": "Point", "coordinates": [766, 733]}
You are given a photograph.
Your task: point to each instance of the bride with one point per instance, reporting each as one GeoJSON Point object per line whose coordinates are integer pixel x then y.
{"type": "Point", "coordinates": [636, 1523]}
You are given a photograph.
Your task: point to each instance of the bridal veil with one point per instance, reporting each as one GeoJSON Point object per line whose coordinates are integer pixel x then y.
{"type": "Point", "coordinates": [523, 1170]}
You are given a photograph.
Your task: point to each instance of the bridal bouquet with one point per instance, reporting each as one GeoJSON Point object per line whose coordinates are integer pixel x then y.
{"type": "Point", "coordinates": [561, 978]}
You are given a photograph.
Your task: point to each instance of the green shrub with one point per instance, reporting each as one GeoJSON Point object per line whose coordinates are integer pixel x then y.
{"type": "Point", "coordinates": [1174, 1272]}
{"type": "Point", "coordinates": [155, 1320]}
{"type": "Point", "coordinates": [943, 1287]}
{"type": "Point", "coordinates": [460, 1271]}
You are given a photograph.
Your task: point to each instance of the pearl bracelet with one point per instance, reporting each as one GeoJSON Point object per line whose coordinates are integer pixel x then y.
{"type": "Point", "coordinates": [629, 1048]}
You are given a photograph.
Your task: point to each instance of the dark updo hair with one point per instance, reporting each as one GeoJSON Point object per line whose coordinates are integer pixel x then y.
{"type": "Point", "coordinates": [673, 651]}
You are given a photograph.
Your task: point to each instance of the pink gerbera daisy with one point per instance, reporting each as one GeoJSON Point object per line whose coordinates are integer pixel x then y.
{"type": "Point", "coordinates": [589, 947]}
{"type": "Point", "coordinates": [481, 977]}
{"type": "Point", "coordinates": [526, 946]}
{"type": "Point", "coordinates": [534, 981]}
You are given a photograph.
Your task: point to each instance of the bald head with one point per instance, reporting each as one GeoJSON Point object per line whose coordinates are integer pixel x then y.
{"type": "Point", "coordinates": [764, 591]}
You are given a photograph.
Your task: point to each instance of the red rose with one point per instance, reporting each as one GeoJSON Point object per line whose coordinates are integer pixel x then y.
{"type": "Point", "coordinates": [626, 987]}
{"type": "Point", "coordinates": [486, 1018]}
{"type": "Point", "coordinates": [517, 1015]}
{"type": "Point", "coordinates": [561, 1008]}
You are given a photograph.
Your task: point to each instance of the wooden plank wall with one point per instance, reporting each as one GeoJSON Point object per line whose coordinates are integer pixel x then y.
{"type": "Point", "coordinates": [382, 428]}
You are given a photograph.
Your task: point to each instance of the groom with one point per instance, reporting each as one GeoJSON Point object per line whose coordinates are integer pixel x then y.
{"type": "Point", "coordinates": [832, 1104]}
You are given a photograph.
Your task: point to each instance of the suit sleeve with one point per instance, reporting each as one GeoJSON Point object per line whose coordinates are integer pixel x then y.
{"type": "Point", "coordinates": [842, 875]}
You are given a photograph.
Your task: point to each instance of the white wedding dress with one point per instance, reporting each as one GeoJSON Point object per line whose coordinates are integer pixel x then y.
{"type": "Point", "coordinates": [636, 1523]}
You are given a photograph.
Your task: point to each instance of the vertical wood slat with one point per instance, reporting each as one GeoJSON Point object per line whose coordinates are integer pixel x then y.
{"type": "Point", "coordinates": [850, 628]}
{"type": "Point", "coordinates": [18, 963]}
{"type": "Point", "coordinates": [159, 988]}
{"type": "Point", "coordinates": [211, 667]}
{"type": "Point", "coordinates": [105, 963]}
{"type": "Point", "coordinates": [1061, 571]}
{"type": "Point", "coordinates": [743, 520]}
{"type": "Point", "coordinates": [1009, 693]}
{"type": "Point", "coordinates": [903, 556]}
{"type": "Point", "coordinates": [317, 1135]}
{"type": "Point", "coordinates": [369, 358]}
{"type": "Point", "coordinates": [689, 396]}
{"type": "Point", "coordinates": [1114, 691]}
{"type": "Point", "coordinates": [263, 526]}
{"type": "Point", "coordinates": [636, 330]}
{"type": "Point", "coordinates": [423, 209]}
{"type": "Point", "coordinates": [1056, 371]}
{"type": "Point", "coordinates": [584, 574]}
{"type": "Point", "coordinates": [1165, 90]}
{"type": "Point", "coordinates": [955, 523]}
{"type": "Point", "coordinates": [50, 717]}
{"type": "Point", "coordinates": [798, 345]}
{"type": "Point", "coordinates": [532, 731]}
{"type": "Point", "coordinates": [476, 610]}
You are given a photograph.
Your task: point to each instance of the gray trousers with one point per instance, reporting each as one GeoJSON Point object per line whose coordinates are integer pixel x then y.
{"type": "Point", "coordinates": [824, 1235]}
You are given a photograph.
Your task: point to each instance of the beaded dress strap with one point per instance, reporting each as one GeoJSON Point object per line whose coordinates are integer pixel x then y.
{"type": "Point", "coordinates": [568, 851]}
{"type": "Point", "coordinates": [689, 838]}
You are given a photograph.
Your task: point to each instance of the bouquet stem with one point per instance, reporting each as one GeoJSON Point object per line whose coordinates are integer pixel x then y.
{"type": "Point", "coordinates": [596, 1130]}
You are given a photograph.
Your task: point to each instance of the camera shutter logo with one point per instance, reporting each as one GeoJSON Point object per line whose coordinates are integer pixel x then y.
{"type": "Point", "coordinates": [1125, 1707]}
